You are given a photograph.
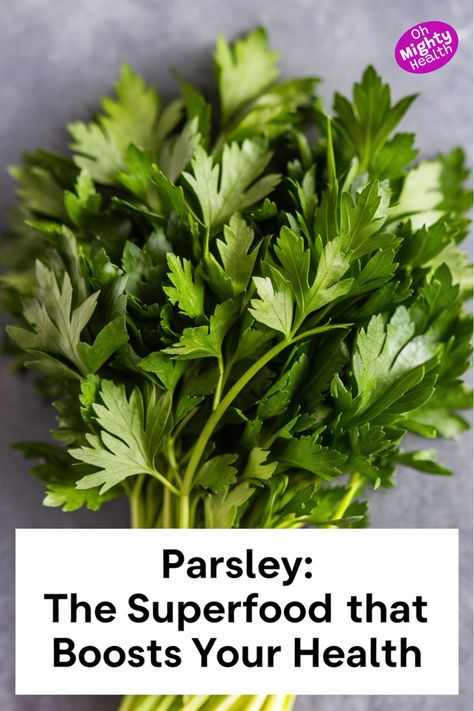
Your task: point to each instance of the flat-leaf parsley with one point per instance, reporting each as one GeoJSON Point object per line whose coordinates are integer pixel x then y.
{"type": "Point", "coordinates": [239, 314]}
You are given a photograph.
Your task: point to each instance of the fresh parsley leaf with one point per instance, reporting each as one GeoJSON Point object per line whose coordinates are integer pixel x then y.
{"type": "Point", "coordinates": [305, 453]}
{"type": "Point", "coordinates": [217, 473]}
{"type": "Point", "coordinates": [243, 70]}
{"type": "Point", "coordinates": [205, 341]}
{"type": "Point", "coordinates": [70, 499]}
{"type": "Point", "coordinates": [423, 460]}
{"type": "Point", "coordinates": [187, 290]}
{"type": "Point", "coordinates": [275, 306]}
{"type": "Point", "coordinates": [231, 184]}
{"type": "Point", "coordinates": [56, 325]}
{"type": "Point", "coordinates": [100, 146]}
{"type": "Point", "coordinates": [108, 340]}
{"type": "Point", "coordinates": [130, 434]}
{"type": "Point", "coordinates": [232, 277]}
{"type": "Point", "coordinates": [369, 120]}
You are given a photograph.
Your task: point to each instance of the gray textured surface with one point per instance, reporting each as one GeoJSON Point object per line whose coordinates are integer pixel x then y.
{"type": "Point", "coordinates": [56, 58]}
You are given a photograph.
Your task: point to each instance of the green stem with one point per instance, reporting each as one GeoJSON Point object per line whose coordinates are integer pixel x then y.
{"type": "Point", "coordinates": [196, 703]}
{"type": "Point", "coordinates": [165, 703]}
{"type": "Point", "coordinates": [135, 505]}
{"type": "Point", "coordinates": [206, 241]}
{"type": "Point", "coordinates": [183, 424]}
{"type": "Point", "coordinates": [166, 518]}
{"type": "Point", "coordinates": [220, 383]}
{"type": "Point", "coordinates": [226, 703]}
{"type": "Point", "coordinates": [355, 483]}
{"type": "Point", "coordinates": [127, 704]}
{"type": "Point", "coordinates": [256, 703]}
{"type": "Point", "coordinates": [230, 396]}
{"type": "Point", "coordinates": [331, 161]}
{"type": "Point", "coordinates": [288, 702]}
{"type": "Point", "coordinates": [208, 703]}
{"type": "Point", "coordinates": [227, 400]}
{"type": "Point", "coordinates": [279, 703]}
{"type": "Point", "coordinates": [171, 455]}
{"type": "Point", "coordinates": [184, 517]}
{"type": "Point", "coordinates": [290, 524]}
{"type": "Point", "coordinates": [164, 481]}
{"type": "Point", "coordinates": [150, 703]}
{"type": "Point", "coordinates": [149, 503]}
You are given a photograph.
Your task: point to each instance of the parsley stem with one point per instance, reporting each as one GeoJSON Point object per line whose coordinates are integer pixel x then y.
{"type": "Point", "coordinates": [164, 481]}
{"type": "Point", "coordinates": [181, 426]}
{"type": "Point", "coordinates": [127, 704]}
{"type": "Point", "coordinates": [217, 414]}
{"type": "Point", "coordinates": [220, 383]}
{"type": "Point", "coordinates": [148, 703]}
{"type": "Point", "coordinates": [135, 503]}
{"type": "Point", "coordinates": [288, 702]}
{"type": "Point", "coordinates": [166, 518]}
{"type": "Point", "coordinates": [149, 502]}
{"type": "Point", "coordinates": [195, 703]}
{"type": "Point", "coordinates": [228, 702]}
{"type": "Point", "coordinates": [331, 161]}
{"type": "Point", "coordinates": [184, 518]}
{"type": "Point", "coordinates": [230, 396]}
{"type": "Point", "coordinates": [173, 471]}
{"type": "Point", "coordinates": [355, 484]}
{"type": "Point", "coordinates": [256, 703]}
{"type": "Point", "coordinates": [206, 241]}
{"type": "Point", "coordinates": [165, 703]}
{"type": "Point", "coordinates": [279, 703]}
{"type": "Point", "coordinates": [289, 522]}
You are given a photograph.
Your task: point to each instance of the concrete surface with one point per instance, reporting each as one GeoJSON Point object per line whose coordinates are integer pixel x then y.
{"type": "Point", "coordinates": [56, 58]}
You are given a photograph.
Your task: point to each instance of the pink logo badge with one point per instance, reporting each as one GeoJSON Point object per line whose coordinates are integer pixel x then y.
{"type": "Point", "coordinates": [426, 47]}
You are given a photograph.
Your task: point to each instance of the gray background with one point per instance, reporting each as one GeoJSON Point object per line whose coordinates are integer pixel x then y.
{"type": "Point", "coordinates": [56, 58]}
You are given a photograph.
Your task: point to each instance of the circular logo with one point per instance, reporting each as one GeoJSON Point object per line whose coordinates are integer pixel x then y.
{"type": "Point", "coordinates": [426, 47]}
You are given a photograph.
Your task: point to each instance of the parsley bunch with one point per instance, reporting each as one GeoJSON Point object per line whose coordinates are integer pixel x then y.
{"type": "Point", "coordinates": [238, 314]}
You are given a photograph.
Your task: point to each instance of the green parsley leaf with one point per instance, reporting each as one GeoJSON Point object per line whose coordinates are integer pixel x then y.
{"type": "Point", "coordinates": [232, 277]}
{"type": "Point", "coordinates": [205, 341]}
{"type": "Point", "coordinates": [57, 326]}
{"type": "Point", "coordinates": [70, 499]}
{"type": "Point", "coordinates": [274, 308]}
{"type": "Point", "coordinates": [243, 70]}
{"type": "Point", "coordinates": [423, 460]}
{"type": "Point", "coordinates": [100, 146]}
{"type": "Point", "coordinates": [369, 120]}
{"type": "Point", "coordinates": [230, 185]}
{"type": "Point", "coordinates": [187, 290]}
{"type": "Point", "coordinates": [130, 434]}
{"type": "Point", "coordinates": [304, 453]}
{"type": "Point", "coordinates": [217, 473]}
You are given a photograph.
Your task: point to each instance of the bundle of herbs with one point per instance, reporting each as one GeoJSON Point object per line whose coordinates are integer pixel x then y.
{"type": "Point", "coordinates": [238, 314]}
